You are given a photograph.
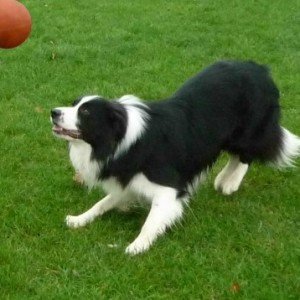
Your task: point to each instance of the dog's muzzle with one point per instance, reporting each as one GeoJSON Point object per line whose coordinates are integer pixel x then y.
{"type": "Point", "coordinates": [56, 116]}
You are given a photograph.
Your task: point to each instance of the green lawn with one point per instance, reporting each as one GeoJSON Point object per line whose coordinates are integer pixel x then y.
{"type": "Point", "coordinates": [246, 246]}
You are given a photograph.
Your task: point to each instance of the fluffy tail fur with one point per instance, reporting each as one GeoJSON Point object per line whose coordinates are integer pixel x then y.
{"type": "Point", "coordinates": [289, 150]}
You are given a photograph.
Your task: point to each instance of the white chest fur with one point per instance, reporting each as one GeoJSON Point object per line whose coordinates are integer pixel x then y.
{"type": "Point", "coordinates": [80, 155]}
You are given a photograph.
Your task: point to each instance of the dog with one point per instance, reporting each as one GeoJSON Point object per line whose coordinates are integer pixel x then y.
{"type": "Point", "coordinates": [158, 150]}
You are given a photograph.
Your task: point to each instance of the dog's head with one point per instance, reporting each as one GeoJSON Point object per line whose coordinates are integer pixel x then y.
{"type": "Point", "coordinates": [92, 119]}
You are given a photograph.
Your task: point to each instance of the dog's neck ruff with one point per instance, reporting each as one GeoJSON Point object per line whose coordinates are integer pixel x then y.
{"type": "Point", "coordinates": [137, 118]}
{"type": "Point", "coordinates": [81, 156]}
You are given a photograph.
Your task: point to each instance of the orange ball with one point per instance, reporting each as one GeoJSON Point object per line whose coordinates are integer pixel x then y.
{"type": "Point", "coordinates": [15, 23]}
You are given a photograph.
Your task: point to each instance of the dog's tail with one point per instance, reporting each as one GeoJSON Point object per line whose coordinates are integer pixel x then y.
{"type": "Point", "coordinates": [288, 150]}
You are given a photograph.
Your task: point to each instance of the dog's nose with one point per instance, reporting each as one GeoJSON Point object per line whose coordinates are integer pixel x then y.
{"type": "Point", "coordinates": [55, 113]}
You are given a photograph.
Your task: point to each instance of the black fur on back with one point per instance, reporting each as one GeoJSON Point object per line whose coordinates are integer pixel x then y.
{"type": "Point", "coordinates": [230, 105]}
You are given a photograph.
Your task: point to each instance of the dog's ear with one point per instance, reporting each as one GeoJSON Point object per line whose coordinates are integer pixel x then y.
{"type": "Point", "coordinates": [77, 100]}
{"type": "Point", "coordinates": [118, 119]}
{"type": "Point", "coordinates": [115, 127]}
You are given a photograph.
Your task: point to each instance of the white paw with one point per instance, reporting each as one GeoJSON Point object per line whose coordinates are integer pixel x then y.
{"type": "Point", "coordinates": [137, 246]}
{"type": "Point", "coordinates": [76, 221]}
{"type": "Point", "coordinates": [226, 184]}
{"type": "Point", "coordinates": [229, 187]}
{"type": "Point", "coordinates": [231, 184]}
{"type": "Point", "coordinates": [219, 181]}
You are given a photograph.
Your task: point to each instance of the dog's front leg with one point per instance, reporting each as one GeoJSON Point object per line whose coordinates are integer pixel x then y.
{"type": "Point", "coordinates": [166, 209]}
{"type": "Point", "coordinates": [107, 203]}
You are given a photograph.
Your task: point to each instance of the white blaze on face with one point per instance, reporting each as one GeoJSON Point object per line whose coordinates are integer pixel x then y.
{"type": "Point", "coordinates": [69, 115]}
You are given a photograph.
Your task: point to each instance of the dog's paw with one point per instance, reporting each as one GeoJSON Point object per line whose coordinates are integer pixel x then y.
{"type": "Point", "coordinates": [137, 246]}
{"type": "Point", "coordinates": [219, 181]}
{"type": "Point", "coordinates": [226, 184]}
{"type": "Point", "coordinates": [229, 187]}
{"type": "Point", "coordinates": [78, 178]}
{"type": "Point", "coordinates": [76, 221]}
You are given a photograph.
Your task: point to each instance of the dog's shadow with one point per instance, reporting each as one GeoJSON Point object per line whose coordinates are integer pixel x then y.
{"type": "Point", "coordinates": [130, 220]}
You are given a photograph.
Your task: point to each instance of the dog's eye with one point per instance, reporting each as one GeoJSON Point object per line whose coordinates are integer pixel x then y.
{"type": "Point", "coordinates": [84, 111]}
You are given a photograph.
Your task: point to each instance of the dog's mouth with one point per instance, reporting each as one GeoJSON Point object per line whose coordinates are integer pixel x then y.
{"type": "Point", "coordinates": [73, 133]}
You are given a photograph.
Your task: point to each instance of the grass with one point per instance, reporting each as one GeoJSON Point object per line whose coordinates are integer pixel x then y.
{"type": "Point", "coordinates": [246, 246]}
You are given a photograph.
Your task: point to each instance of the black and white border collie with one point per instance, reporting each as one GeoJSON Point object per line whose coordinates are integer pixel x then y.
{"type": "Point", "coordinates": [158, 150]}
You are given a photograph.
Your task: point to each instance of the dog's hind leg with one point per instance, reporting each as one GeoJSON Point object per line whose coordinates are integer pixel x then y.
{"type": "Point", "coordinates": [107, 203]}
{"type": "Point", "coordinates": [226, 171]}
{"type": "Point", "coordinates": [230, 178]}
